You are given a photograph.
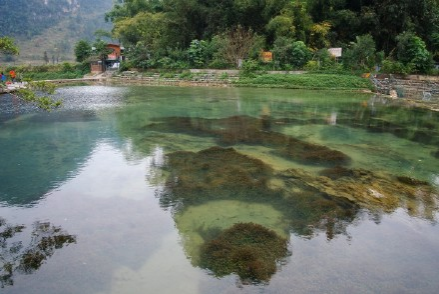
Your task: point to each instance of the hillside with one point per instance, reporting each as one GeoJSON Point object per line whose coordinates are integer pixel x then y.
{"type": "Point", "coordinates": [52, 26]}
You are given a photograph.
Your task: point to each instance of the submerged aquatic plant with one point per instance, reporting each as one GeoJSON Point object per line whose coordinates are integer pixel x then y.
{"type": "Point", "coordinates": [249, 250]}
{"type": "Point", "coordinates": [224, 174]}
{"type": "Point", "coordinates": [214, 173]}
{"type": "Point", "coordinates": [253, 131]}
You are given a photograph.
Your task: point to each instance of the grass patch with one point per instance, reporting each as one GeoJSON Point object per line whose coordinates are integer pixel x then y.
{"type": "Point", "coordinates": [38, 76]}
{"type": "Point", "coordinates": [305, 81]}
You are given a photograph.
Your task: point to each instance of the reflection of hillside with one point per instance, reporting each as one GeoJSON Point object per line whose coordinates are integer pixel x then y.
{"type": "Point", "coordinates": [40, 156]}
{"type": "Point", "coordinates": [17, 258]}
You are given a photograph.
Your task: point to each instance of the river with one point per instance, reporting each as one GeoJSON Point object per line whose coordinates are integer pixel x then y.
{"type": "Point", "coordinates": [138, 190]}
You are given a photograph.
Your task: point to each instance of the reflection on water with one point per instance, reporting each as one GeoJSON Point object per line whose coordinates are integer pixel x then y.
{"type": "Point", "coordinates": [16, 257]}
{"type": "Point", "coordinates": [173, 190]}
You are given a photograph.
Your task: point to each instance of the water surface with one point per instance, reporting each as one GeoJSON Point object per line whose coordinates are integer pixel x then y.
{"type": "Point", "coordinates": [119, 190]}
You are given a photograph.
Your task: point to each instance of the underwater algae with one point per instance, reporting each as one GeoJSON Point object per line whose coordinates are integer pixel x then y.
{"type": "Point", "coordinates": [252, 131]}
{"type": "Point", "coordinates": [249, 250]}
{"type": "Point", "coordinates": [308, 202]}
{"type": "Point", "coordinates": [214, 174]}
{"type": "Point", "coordinates": [199, 223]}
{"type": "Point", "coordinates": [203, 186]}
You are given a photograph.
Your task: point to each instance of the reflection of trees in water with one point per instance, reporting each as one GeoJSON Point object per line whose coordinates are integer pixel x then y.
{"type": "Point", "coordinates": [15, 257]}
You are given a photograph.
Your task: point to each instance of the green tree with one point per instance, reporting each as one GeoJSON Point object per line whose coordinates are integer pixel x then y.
{"type": "Point", "coordinates": [301, 20]}
{"type": "Point", "coordinates": [198, 53]}
{"type": "Point", "coordinates": [300, 54]}
{"type": "Point", "coordinates": [148, 28]}
{"type": "Point", "coordinates": [45, 57]}
{"type": "Point", "coordinates": [411, 49]}
{"type": "Point", "coordinates": [100, 50]}
{"type": "Point", "coordinates": [281, 26]}
{"type": "Point", "coordinates": [238, 44]}
{"type": "Point", "coordinates": [7, 46]}
{"type": "Point", "coordinates": [361, 54]}
{"type": "Point", "coordinates": [291, 54]}
{"type": "Point", "coordinates": [319, 35]}
{"type": "Point", "coordinates": [82, 50]}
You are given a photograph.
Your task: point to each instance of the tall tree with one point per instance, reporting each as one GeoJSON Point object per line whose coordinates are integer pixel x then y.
{"type": "Point", "coordinates": [7, 46]}
{"type": "Point", "coordinates": [82, 50]}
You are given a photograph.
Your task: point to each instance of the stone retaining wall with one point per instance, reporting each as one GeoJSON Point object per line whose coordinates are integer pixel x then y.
{"type": "Point", "coordinates": [414, 87]}
{"type": "Point", "coordinates": [204, 78]}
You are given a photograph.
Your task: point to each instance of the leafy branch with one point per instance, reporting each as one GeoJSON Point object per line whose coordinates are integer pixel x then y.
{"type": "Point", "coordinates": [39, 92]}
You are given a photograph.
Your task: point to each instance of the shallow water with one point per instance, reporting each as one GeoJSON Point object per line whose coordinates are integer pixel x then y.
{"type": "Point", "coordinates": [111, 204]}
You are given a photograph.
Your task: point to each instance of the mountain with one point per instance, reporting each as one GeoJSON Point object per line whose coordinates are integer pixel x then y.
{"type": "Point", "coordinates": [52, 26]}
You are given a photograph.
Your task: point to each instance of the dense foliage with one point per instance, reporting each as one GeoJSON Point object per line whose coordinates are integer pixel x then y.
{"type": "Point", "coordinates": [7, 46]}
{"type": "Point", "coordinates": [182, 33]}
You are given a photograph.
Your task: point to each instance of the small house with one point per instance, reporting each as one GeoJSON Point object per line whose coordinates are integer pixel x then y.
{"type": "Point", "coordinates": [114, 57]}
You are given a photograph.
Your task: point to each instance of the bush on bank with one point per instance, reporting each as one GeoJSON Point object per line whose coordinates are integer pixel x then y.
{"type": "Point", "coordinates": [49, 72]}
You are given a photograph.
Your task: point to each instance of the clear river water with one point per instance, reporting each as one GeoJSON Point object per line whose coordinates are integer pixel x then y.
{"type": "Point", "coordinates": [218, 190]}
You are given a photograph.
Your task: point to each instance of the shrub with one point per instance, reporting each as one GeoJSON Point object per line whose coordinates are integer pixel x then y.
{"type": "Point", "coordinates": [249, 67]}
{"type": "Point", "coordinates": [396, 67]}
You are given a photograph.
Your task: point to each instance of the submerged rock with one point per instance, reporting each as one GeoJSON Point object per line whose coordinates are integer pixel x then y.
{"type": "Point", "coordinates": [249, 250]}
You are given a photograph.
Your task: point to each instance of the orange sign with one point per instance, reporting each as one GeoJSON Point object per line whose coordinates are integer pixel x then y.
{"type": "Point", "coordinates": [267, 56]}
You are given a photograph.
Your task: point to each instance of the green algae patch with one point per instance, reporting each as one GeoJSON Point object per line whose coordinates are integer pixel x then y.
{"type": "Point", "coordinates": [253, 131]}
{"type": "Point", "coordinates": [306, 203]}
{"type": "Point", "coordinates": [214, 173]}
{"type": "Point", "coordinates": [248, 250]}
{"type": "Point", "coordinates": [199, 223]}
